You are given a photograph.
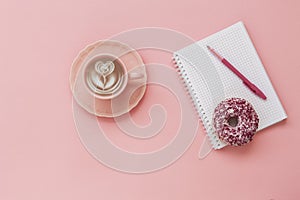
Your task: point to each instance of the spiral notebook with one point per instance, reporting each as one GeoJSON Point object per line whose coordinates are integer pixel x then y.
{"type": "Point", "coordinates": [209, 82]}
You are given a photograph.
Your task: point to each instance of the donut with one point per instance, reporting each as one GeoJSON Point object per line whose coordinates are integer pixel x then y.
{"type": "Point", "coordinates": [235, 121]}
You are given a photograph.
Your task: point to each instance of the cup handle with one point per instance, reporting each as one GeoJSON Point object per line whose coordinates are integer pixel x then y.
{"type": "Point", "coordinates": [136, 74]}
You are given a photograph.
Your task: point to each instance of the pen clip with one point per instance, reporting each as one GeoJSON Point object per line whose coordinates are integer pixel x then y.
{"type": "Point", "coordinates": [255, 90]}
{"type": "Point", "coordinates": [250, 86]}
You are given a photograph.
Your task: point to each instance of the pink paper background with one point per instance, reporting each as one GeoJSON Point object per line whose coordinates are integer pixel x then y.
{"type": "Point", "coordinates": [41, 156]}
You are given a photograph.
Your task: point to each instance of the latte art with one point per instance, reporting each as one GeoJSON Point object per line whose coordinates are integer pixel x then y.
{"type": "Point", "coordinates": [105, 77]}
{"type": "Point", "coordinates": [104, 69]}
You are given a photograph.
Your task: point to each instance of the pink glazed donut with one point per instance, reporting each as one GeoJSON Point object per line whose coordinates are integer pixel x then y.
{"type": "Point", "coordinates": [235, 121]}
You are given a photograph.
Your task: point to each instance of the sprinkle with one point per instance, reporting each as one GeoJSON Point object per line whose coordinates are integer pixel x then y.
{"type": "Point", "coordinates": [235, 121]}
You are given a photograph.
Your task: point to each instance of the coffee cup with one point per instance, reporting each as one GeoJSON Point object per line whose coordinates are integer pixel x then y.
{"type": "Point", "coordinates": [106, 76]}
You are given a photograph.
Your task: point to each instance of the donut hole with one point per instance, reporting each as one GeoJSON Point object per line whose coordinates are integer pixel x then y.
{"type": "Point", "coordinates": [233, 121]}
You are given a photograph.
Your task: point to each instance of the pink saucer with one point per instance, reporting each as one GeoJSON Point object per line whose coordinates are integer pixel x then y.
{"type": "Point", "coordinates": [127, 99]}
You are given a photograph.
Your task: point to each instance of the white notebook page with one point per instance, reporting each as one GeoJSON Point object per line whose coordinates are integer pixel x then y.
{"type": "Point", "coordinates": [209, 81]}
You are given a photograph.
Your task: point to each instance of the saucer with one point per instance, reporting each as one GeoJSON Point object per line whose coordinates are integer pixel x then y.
{"type": "Point", "coordinates": [123, 103]}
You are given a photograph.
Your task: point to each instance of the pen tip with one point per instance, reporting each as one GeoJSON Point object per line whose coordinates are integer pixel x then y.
{"type": "Point", "coordinates": [208, 47]}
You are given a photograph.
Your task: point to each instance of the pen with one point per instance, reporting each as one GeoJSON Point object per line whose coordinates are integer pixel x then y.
{"type": "Point", "coordinates": [250, 85]}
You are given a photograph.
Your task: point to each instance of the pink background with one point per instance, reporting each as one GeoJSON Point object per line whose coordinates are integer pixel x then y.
{"type": "Point", "coordinates": [41, 156]}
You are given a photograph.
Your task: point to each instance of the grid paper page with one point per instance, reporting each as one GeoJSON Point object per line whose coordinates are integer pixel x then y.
{"type": "Point", "coordinates": [210, 82]}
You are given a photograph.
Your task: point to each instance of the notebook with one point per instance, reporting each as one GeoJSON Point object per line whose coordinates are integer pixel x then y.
{"type": "Point", "coordinates": [209, 82]}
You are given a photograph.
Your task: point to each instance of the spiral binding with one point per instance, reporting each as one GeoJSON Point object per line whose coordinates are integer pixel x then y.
{"type": "Point", "coordinates": [214, 140]}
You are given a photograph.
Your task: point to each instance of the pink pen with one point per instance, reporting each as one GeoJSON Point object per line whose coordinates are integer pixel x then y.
{"type": "Point", "coordinates": [250, 85]}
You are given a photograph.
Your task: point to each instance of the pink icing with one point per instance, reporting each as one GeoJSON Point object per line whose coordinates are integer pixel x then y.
{"type": "Point", "coordinates": [246, 121]}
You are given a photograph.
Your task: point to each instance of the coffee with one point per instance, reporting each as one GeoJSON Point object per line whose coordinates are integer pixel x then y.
{"type": "Point", "coordinates": [105, 76]}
